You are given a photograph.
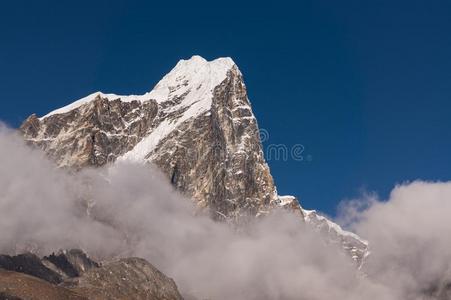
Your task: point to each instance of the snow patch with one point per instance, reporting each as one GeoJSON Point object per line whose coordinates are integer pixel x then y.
{"type": "Point", "coordinates": [191, 80]}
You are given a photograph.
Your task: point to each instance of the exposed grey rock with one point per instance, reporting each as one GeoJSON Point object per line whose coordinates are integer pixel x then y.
{"type": "Point", "coordinates": [30, 264]}
{"type": "Point", "coordinates": [92, 134]}
{"type": "Point", "coordinates": [69, 263]}
{"type": "Point", "coordinates": [129, 278]}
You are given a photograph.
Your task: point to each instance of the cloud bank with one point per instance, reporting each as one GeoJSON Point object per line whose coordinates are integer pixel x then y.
{"type": "Point", "coordinates": [131, 210]}
{"type": "Point", "coordinates": [410, 236]}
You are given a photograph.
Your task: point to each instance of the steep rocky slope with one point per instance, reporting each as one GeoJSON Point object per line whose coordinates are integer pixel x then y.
{"type": "Point", "coordinates": [197, 126]}
{"type": "Point", "coordinates": [73, 275]}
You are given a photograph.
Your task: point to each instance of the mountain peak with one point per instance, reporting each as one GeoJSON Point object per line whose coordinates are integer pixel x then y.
{"type": "Point", "coordinates": [196, 124]}
{"type": "Point", "coordinates": [194, 74]}
{"type": "Point", "coordinates": [224, 62]}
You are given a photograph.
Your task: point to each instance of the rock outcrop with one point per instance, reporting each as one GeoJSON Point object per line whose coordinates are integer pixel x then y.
{"type": "Point", "coordinates": [128, 278]}
{"type": "Point", "coordinates": [72, 274]}
{"type": "Point", "coordinates": [30, 264]}
{"type": "Point", "coordinates": [69, 263]}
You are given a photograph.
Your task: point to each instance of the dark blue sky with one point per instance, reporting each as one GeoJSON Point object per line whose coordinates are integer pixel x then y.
{"type": "Point", "coordinates": [365, 86]}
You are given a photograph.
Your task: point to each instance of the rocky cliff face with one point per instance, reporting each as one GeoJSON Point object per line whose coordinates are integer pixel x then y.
{"type": "Point", "coordinates": [93, 134]}
{"type": "Point", "coordinates": [196, 125]}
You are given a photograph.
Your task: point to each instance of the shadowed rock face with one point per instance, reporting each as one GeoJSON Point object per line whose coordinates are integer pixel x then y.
{"type": "Point", "coordinates": [54, 268]}
{"type": "Point", "coordinates": [29, 264]}
{"type": "Point", "coordinates": [6, 296]}
{"type": "Point", "coordinates": [93, 134]}
{"type": "Point", "coordinates": [69, 263]}
{"type": "Point", "coordinates": [73, 275]}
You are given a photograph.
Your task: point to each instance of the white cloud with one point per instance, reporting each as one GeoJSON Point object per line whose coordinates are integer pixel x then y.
{"type": "Point", "coordinates": [410, 235]}
{"type": "Point", "coordinates": [132, 210]}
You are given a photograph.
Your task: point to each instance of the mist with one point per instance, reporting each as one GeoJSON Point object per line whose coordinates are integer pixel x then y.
{"type": "Point", "coordinates": [131, 210]}
{"type": "Point", "coordinates": [410, 237]}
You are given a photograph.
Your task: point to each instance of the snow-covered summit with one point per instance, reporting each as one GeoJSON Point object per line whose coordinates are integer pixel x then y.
{"type": "Point", "coordinates": [195, 76]}
{"type": "Point", "coordinates": [190, 86]}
